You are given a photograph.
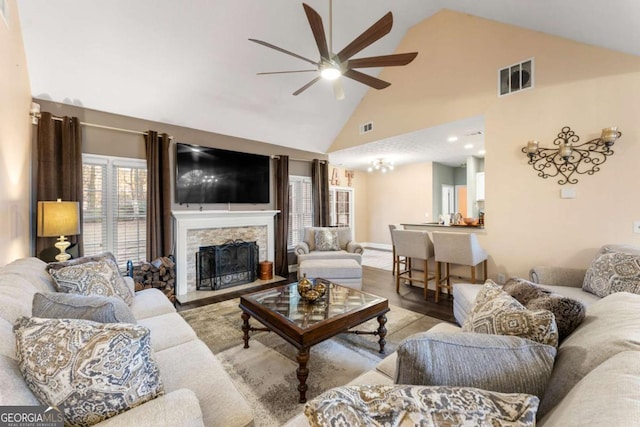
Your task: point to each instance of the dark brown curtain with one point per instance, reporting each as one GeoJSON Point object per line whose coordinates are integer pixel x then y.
{"type": "Point", "coordinates": [320, 191]}
{"type": "Point", "coordinates": [59, 170]}
{"type": "Point", "coordinates": [159, 230]}
{"type": "Point", "coordinates": [282, 218]}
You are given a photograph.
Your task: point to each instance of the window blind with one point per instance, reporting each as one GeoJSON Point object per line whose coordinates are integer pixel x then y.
{"type": "Point", "coordinates": [300, 208]}
{"type": "Point", "coordinates": [115, 207]}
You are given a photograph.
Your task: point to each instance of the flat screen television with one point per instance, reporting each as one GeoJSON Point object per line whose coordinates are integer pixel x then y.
{"type": "Point", "coordinates": [212, 175]}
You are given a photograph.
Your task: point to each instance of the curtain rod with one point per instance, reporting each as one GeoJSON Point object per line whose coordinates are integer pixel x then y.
{"type": "Point", "coordinates": [299, 160]}
{"type": "Point", "coordinates": [108, 127]}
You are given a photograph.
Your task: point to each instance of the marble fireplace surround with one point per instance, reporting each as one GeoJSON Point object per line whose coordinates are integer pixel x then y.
{"type": "Point", "coordinates": [186, 222]}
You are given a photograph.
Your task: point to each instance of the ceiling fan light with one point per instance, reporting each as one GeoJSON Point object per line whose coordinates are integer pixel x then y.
{"type": "Point", "coordinates": [330, 73]}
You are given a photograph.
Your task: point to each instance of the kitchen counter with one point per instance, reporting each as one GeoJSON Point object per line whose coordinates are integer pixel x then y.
{"type": "Point", "coordinates": [433, 226]}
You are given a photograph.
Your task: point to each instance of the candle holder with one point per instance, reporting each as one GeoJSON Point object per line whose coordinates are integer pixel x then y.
{"type": "Point", "coordinates": [569, 157]}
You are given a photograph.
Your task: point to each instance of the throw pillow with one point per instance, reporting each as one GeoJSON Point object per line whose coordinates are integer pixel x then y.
{"type": "Point", "coordinates": [569, 313]}
{"type": "Point", "coordinates": [380, 405]}
{"type": "Point", "coordinates": [94, 370]}
{"type": "Point", "coordinates": [327, 240]}
{"type": "Point", "coordinates": [496, 312]}
{"type": "Point", "coordinates": [77, 261]}
{"type": "Point", "coordinates": [73, 306]}
{"type": "Point", "coordinates": [498, 363]}
{"type": "Point", "coordinates": [92, 278]}
{"type": "Point", "coordinates": [611, 272]}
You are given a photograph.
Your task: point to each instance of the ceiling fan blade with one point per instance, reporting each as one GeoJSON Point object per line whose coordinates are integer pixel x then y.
{"type": "Point", "coordinates": [279, 49]}
{"type": "Point", "coordinates": [383, 61]}
{"type": "Point", "coordinates": [371, 35]}
{"type": "Point", "coordinates": [315, 21]}
{"type": "Point", "coordinates": [305, 87]}
{"type": "Point", "coordinates": [338, 89]}
{"type": "Point", "coordinates": [287, 72]}
{"type": "Point", "coordinates": [366, 79]}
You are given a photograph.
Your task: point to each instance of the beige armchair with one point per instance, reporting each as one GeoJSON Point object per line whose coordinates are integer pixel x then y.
{"type": "Point", "coordinates": [345, 247]}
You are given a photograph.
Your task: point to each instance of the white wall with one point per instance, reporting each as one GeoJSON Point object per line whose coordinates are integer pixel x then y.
{"type": "Point", "coordinates": [15, 140]}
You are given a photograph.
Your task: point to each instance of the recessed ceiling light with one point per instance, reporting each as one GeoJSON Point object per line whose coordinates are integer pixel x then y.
{"type": "Point", "coordinates": [452, 139]}
{"type": "Point", "coordinates": [468, 146]}
{"type": "Point", "coordinates": [482, 152]}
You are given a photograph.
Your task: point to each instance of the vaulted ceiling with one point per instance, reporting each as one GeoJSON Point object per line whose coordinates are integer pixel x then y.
{"type": "Point", "coordinates": [190, 63]}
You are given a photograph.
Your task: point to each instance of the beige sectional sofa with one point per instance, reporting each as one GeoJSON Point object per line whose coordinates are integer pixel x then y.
{"type": "Point", "coordinates": [198, 391]}
{"type": "Point", "coordinates": [596, 375]}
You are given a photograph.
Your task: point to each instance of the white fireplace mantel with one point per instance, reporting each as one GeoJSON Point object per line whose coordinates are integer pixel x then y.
{"type": "Point", "coordinates": [190, 220]}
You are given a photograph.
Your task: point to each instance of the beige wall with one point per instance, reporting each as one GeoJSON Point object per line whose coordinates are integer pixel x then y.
{"type": "Point", "coordinates": [401, 196]}
{"type": "Point", "coordinates": [123, 144]}
{"type": "Point", "coordinates": [455, 76]}
{"type": "Point", "coordinates": [15, 140]}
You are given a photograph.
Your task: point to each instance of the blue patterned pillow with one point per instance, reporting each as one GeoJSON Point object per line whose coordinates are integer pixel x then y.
{"type": "Point", "coordinates": [93, 278]}
{"type": "Point", "coordinates": [94, 370]}
{"type": "Point", "coordinates": [399, 405]}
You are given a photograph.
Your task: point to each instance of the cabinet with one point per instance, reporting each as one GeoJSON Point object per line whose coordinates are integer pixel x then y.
{"type": "Point", "coordinates": [480, 186]}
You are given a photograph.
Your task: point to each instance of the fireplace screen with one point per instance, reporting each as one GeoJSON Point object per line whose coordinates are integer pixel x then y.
{"type": "Point", "coordinates": [222, 266]}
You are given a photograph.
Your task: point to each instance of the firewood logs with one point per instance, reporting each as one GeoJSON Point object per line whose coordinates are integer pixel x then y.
{"type": "Point", "coordinates": [159, 273]}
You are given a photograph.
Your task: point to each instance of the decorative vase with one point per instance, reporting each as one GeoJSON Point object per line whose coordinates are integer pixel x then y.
{"type": "Point", "coordinates": [304, 285]}
{"type": "Point", "coordinates": [320, 287]}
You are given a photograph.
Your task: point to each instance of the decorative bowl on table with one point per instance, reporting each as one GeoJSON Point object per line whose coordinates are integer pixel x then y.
{"type": "Point", "coordinates": [470, 221]}
{"type": "Point", "coordinates": [309, 291]}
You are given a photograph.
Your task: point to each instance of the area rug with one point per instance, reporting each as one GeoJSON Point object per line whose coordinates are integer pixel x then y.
{"type": "Point", "coordinates": [265, 373]}
{"type": "Point", "coordinates": [377, 259]}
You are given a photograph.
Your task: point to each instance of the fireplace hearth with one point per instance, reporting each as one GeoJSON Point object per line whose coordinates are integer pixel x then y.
{"type": "Point", "coordinates": [195, 228]}
{"type": "Point", "coordinates": [230, 264]}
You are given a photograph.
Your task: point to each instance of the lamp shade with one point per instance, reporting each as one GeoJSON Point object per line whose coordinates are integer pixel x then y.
{"type": "Point", "coordinates": [58, 219]}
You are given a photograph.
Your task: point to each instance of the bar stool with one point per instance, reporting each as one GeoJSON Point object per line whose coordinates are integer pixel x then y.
{"type": "Point", "coordinates": [398, 261]}
{"type": "Point", "coordinates": [414, 246]}
{"type": "Point", "coordinates": [457, 248]}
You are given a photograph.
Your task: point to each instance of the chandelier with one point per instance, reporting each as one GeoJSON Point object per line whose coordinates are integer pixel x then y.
{"type": "Point", "coordinates": [380, 165]}
{"type": "Point", "coordinates": [569, 157]}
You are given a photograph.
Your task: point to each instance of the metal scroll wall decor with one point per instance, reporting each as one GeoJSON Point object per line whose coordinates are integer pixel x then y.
{"type": "Point", "coordinates": [568, 157]}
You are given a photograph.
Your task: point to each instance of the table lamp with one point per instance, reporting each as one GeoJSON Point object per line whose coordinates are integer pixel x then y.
{"type": "Point", "coordinates": [59, 219]}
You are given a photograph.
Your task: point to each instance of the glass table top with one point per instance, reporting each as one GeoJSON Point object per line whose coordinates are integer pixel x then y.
{"type": "Point", "coordinates": [338, 300]}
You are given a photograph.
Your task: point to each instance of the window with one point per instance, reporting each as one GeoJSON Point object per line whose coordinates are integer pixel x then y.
{"type": "Point", "coordinates": [300, 208]}
{"type": "Point", "coordinates": [114, 206]}
{"type": "Point", "coordinates": [341, 205]}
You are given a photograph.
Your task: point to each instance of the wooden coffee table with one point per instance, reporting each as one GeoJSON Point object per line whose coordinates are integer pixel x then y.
{"type": "Point", "coordinates": [303, 324]}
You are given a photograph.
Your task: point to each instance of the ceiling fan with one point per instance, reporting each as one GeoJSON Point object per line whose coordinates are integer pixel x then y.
{"type": "Point", "coordinates": [332, 66]}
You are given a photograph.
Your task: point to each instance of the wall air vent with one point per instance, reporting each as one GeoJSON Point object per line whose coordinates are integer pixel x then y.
{"type": "Point", "coordinates": [515, 78]}
{"type": "Point", "coordinates": [366, 128]}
